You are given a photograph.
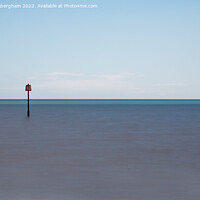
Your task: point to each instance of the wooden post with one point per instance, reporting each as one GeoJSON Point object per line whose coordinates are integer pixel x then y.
{"type": "Point", "coordinates": [28, 110]}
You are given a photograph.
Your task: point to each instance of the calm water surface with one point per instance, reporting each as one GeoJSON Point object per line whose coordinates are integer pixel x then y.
{"type": "Point", "coordinates": [100, 150]}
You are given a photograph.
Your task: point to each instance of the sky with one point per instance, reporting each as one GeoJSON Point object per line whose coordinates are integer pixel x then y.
{"type": "Point", "coordinates": [131, 49]}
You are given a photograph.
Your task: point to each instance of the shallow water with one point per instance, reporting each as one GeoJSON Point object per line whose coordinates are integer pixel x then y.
{"type": "Point", "coordinates": [100, 151]}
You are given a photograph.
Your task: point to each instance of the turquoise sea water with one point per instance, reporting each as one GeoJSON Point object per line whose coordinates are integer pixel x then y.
{"type": "Point", "coordinates": [101, 101]}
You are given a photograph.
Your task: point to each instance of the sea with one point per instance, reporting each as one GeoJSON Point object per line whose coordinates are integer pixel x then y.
{"type": "Point", "coordinates": [100, 150]}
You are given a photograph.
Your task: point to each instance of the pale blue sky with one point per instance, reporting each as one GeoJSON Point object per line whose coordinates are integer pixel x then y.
{"type": "Point", "coordinates": [123, 49]}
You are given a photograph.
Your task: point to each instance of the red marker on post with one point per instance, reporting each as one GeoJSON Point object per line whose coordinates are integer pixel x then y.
{"type": "Point", "coordinates": [28, 88]}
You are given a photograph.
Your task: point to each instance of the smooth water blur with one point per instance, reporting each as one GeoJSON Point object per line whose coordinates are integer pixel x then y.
{"type": "Point", "coordinates": [100, 151]}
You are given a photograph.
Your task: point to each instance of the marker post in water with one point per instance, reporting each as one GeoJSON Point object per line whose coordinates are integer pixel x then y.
{"type": "Point", "coordinates": [28, 88]}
